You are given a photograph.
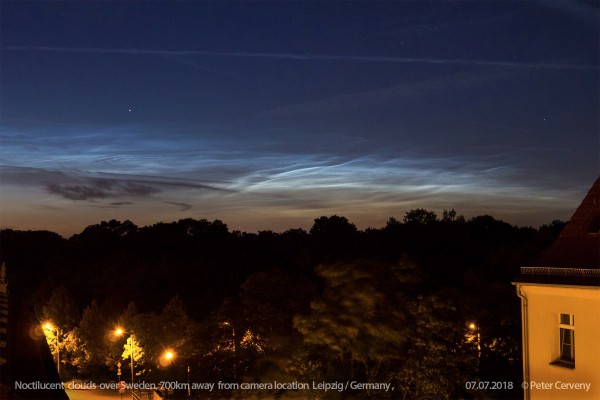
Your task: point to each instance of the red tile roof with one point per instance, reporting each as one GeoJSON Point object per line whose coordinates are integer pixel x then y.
{"type": "Point", "coordinates": [574, 258]}
{"type": "Point", "coordinates": [578, 245]}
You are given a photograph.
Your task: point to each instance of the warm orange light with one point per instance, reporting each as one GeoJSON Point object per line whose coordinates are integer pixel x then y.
{"type": "Point", "coordinates": [167, 357]}
{"type": "Point", "coordinates": [472, 326]}
{"type": "Point", "coordinates": [119, 331]}
{"type": "Point", "coordinates": [48, 326]}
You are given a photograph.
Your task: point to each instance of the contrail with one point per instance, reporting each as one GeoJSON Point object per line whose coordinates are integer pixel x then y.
{"type": "Point", "coordinates": [306, 57]}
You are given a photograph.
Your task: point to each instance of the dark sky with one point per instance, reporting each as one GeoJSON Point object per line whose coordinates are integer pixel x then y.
{"type": "Point", "coordinates": [267, 115]}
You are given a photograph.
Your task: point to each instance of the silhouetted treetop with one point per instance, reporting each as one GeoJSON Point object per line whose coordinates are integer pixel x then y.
{"type": "Point", "coordinates": [333, 226]}
{"type": "Point", "coordinates": [420, 216]}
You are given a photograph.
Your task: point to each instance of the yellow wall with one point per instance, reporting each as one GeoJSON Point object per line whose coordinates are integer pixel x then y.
{"type": "Point", "coordinates": [544, 304]}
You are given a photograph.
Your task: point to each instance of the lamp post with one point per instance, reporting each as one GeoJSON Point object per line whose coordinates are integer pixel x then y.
{"type": "Point", "coordinates": [189, 388]}
{"type": "Point", "coordinates": [121, 332]}
{"type": "Point", "coordinates": [56, 331]}
{"type": "Point", "coordinates": [165, 360]}
{"type": "Point", "coordinates": [169, 357]}
{"type": "Point", "coordinates": [233, 344]}
{"type": "Point", "coordinates": [475, 328]}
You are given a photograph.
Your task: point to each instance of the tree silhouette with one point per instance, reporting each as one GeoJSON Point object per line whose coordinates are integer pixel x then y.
{"type": "Point", "coordinates": [333, 238]}
{"type": "Point", "coordinates": [420, 216]}
{"type": "Point", "coordinates": [61, 309]}
{"type": "Point", "coordinates": [361, 315]}
{"type": "Point", "coordinates": [438, 359]}
{"type": "Point", "coordinates": [93, 333]}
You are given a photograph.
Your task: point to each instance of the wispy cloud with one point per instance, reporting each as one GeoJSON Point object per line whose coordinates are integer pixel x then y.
{"type": "Point", "coordinates": [349, 102]}
{"type": "Point", "coordinates": [85, 186]}
{"type": "Point", "coordinates": [311, 57]}
{"type": "Point", "coordinates": [182, 206]}
{"type": "Point", "coordinates": [101, 189]}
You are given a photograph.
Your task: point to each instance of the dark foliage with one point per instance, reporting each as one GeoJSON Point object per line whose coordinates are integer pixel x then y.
{"type": "Point", "coordinates": [245, 289]}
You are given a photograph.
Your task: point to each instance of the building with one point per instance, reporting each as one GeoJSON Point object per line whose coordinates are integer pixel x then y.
{"type": "Point", "coordinates": [27, 368]}
{"type": "Point", "coordinates": [4, 379]}
{"type": "Point", "coordinates": [560, 311]}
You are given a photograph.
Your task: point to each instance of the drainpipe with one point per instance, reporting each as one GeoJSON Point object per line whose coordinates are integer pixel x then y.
{"type": "Point", "coordinates": [525, 333]}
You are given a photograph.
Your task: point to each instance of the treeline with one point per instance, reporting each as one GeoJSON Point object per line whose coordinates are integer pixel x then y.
{"type": "Point", "coordinates": [391, 304]}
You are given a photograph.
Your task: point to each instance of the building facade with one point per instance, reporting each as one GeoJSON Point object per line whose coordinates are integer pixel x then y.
{"type": "Point", "coordinates": [560, 311]}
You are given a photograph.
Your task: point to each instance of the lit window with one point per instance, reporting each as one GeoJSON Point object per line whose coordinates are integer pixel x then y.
{"type": "Point", "coordinates": [567, 338]}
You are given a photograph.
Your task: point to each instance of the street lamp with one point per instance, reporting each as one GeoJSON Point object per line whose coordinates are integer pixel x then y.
{"type": "Point", "coordinates": [169, 355]}
{"type": "Point", "coordinates": [165, 361]}
{"type": "Point", "coordinates": [189, 388]}
{"type": "Point", "coordinates": [475, 328]}
{"type": "Point", "coordinates": [56, 331]}
{"type": "Point", "coordinates": [233, 344]}
{"type": "Point", "coordinates": [120, 332]}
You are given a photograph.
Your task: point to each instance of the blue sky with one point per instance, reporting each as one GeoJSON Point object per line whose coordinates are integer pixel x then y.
{"type": "Point", "coordinates": [267, 115]}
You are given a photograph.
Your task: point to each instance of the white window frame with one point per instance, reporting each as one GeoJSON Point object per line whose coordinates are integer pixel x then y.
{"type": "Point", "coordinates": [566, 329]}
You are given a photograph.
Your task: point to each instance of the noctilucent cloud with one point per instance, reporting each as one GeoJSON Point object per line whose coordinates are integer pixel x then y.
{"type": "Point", "coordinates": [267, 115]}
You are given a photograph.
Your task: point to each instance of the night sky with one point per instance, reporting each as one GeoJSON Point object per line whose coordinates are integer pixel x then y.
{"type": "Point", "coordinates": [267, 115]}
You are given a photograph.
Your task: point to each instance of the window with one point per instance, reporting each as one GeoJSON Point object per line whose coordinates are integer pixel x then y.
{"type": "Point", "coordinates": [567, 339]}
